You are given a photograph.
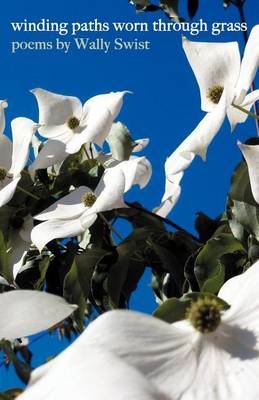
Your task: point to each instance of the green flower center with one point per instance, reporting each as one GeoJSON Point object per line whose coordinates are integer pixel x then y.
{"type": "Point", "coordinates": [73, 123]}
{"type": "Point", "coordinates": [3, 173]}
{"type": "Point", "coordinates": [205, 314]}
{"type": "Point", "coordinates": [215, 93]}
{"type": "Point", "coordinates": [89, 199]}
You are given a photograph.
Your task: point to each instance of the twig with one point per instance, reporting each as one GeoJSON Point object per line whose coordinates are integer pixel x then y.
{"type": "Point", "coordinates": [162, 219]}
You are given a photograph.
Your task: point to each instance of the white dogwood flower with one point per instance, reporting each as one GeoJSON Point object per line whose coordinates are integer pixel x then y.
{"type": "Point", "coordinates": [213, 355]}
{"type": "Point", "coordinates": [65, 119]}
{"type": "Point", "coordinates": [217, 68]}
{"type": "Point", "coordinates": [76, 212]}
{"type": "Point", "coordinates": [26, 312]}
{"type": "Point", "coordinates": [14, 156]}
{"type": "Point", "coordinates": [222, 80]}
{"type": "Point", "coordinates": [196, 143]}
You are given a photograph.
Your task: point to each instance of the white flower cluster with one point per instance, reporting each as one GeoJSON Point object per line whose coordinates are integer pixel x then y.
{"type": "Point", "coordinates": [67, 126]}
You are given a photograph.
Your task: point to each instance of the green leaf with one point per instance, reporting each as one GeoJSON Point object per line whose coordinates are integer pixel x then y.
{"type": "Point", "coordinates": [73, 293]}
{"type": "Point", "coordinates": [240, 185]}
{"type": "Point", "coordinates": [10, 394]}
{"type": "Point", "coordinates": [208, 269]}
{"type": "Point", "coordinates": [119, 271]}
{"type": "Point", "coordinates": [172, 310]}
{"type": "Point", "coordinates": [6, 214]}
{"type": "Point", "coordinates": [194, 296]}
{"type": "Point", "coordinates": [4, 260]}
{"type": "Point", "coordinates": [242, 209]}
{"type": "Point", "coordinates": [205, 226]}
{"type": "Point", "coordinates": [43, 268]}
{"type": "Point", "coordinates": [171, 263]}
{"type": "Point", "coordinates": [193, 6]}
{"type": "Point", "coordinates": [22, 369]}
{"type": "Point", "coordinates": [247, 216]}
{"type": "Point", "coordinates": [85, 264]}
{"type": "Point", "coordinates": [214, 283]}
{"type": "Point", "coordinates": [170, 7]}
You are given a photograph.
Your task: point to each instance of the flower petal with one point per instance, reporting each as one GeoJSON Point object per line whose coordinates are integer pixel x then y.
{"type": "Point", "coordinates": [160, 355]}
{"type": "Point", "coordinates": [68, 207]}
{"type": "Point", "coordinates": [241, 293]}
{"type": "Point", "coordinates": [55, 229]}
{"type": "Point", "coordinates": [251, 155]}
{"type": "Point", "coordinates": [109, 192]}
{"type": "Point", "coordinates": [195, 144]}
{"type": "Point", "coordinates": [25, 312]}
{"type": "Point", "coordinates": [171, 195]}
{"type": "Point", "coordinates": [99, 123]}
{"type": "Point", "coordinates": [22, 129]}
{"type": "Point", "coordinates": [8, 191]}
{"type": "Point", "coordinates": [249, 65]}
{"type": "Point", "coordinates": [55, 109]}
{"type": "Point", "coordinates": [137, 171]}
{"type": "Point", "coordinates": [59, 132]}
{"type": "Point", "coordinates": [213, 64]}
{"type": "Point", "coordinates": [53, 152]}
{"type": "Point", "coordinates": [3, 106]}
{"type": "Point", "coordinates": [221, 373]}
{"type": "Point", "coordinates": [236, 116]}
{"type": "Point", "coordinates": [198, 141]}
{"type": "Point", "coordinates": [76, 373]}
{"type": "Point", "coordinates": [6, 149]}
{"type": "Point", "coordinates": [140, 145]}
{"type": "Point", "coordinates": [112, 101]}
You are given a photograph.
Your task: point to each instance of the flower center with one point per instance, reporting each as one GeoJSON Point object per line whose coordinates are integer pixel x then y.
{"type": "Point", "coordinates": [215, 93]}
{"type": "Point", "coordinates": [73, 123]}
{"type": "Point", "coordinates": [89, 199]}
{"type": "Point", "coordinates": [205, 314]}
{"type": "Point", "coordinates": [3, 173]}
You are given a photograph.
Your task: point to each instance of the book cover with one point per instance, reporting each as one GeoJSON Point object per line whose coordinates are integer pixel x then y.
{"type": "Point", "coordinates": [139, 111]}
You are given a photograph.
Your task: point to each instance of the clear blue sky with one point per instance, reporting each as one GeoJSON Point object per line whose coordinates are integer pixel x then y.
{"type": "Point", "coordinates": [165, 105]}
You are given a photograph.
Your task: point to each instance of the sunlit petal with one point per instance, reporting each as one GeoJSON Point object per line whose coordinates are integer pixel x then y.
{"type": "Point", "coordinates": [249, 64]}
{"type": "Point", "coordinates": [55, 229]}
{"type": "Point", "coordinates": [25, 312]}
{"type": "Point", "coordinates": [22, 130]}
{"type": "Point", "coordinates": [213, 64]}
{"type": "Point", "coordinates": [68, 207]}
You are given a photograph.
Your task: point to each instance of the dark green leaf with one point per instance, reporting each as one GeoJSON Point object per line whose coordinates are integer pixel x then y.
{"type": "Point", "coordinates": [73, 293]}
{"type": "Point", "coordinates": [205, 226]}
{"type": "Point", "coordinates": [172, 310]}
{"type": "Point", "coordinates": [208, 269]}
{"type": "Point", "coordinates": [119, 271]}
{"type": "Point", "coordinates": [193, 6]}
{"type": "Point", "coordinates": [5, 270]}
{"type": "Point", "coordinates": [170, 7]}
{"type": "Point", "coordinates": [86, 263]}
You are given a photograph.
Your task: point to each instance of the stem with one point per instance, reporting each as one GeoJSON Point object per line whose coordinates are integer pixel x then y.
{"type": "Point", "coordinates": [239, 4]}
{"type": "Point", "coordinates": [251, 114]}
{"type": "Point", "coordinates": [162, 219]}
{"type": "Point", "coordinates": [28, 193]}
{"type": "Point", "coordinates": [111, 227]}
{"type": "Point", "coordinates": [86, 152]}
{"type": "Point", "coordinates": [91, 150]}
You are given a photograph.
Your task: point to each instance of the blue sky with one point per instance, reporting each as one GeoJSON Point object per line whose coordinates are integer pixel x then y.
{"type": "Point", "coordinates": [165, 105]}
